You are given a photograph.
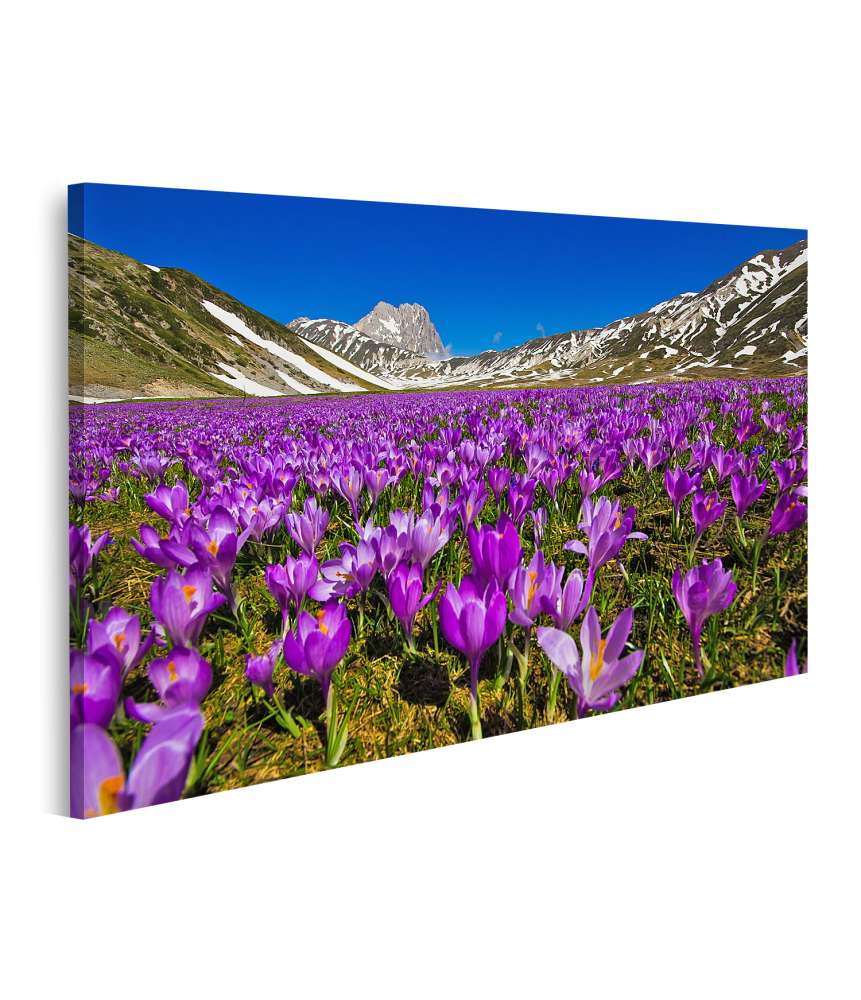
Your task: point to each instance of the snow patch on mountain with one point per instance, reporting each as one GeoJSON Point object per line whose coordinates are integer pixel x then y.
{"type": "Point", "coordinates": [235, 378]}
{"type": "Point", "coordinates": [348, 367]}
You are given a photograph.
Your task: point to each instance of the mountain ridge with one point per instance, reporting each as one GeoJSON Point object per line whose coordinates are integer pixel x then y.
{"type": "Point", "coordinates": [143, 330]}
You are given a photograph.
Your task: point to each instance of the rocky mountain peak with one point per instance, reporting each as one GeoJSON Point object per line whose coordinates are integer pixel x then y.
{"type": "Point", "coordinates": [407, 326]}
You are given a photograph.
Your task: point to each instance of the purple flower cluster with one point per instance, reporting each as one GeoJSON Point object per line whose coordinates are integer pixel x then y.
{"type": "Point", "coordinates": [441, 516]}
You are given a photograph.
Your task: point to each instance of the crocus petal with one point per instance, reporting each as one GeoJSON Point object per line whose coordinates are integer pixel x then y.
{"type": "Point", "coordinates": [559, 648]}
{"type": "Point", "coordinates": [96, 773]}
{"type": "Point", "coordinates": [160, 768]}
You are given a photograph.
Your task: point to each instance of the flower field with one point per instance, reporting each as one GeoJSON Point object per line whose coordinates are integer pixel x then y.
{"type": "Point", "coordinates": [265, 588]}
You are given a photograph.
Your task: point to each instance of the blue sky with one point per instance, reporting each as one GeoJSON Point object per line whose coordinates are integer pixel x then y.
{"type": "Point", "coordinates": [487, 278]}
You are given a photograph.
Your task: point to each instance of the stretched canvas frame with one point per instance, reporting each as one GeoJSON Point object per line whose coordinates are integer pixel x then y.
{"type": "Point", "coordinates": [300, 542]}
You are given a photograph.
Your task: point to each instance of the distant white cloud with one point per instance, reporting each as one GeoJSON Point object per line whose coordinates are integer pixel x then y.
{"type": "Point", "coordinates": [540, 328]}
{"type": "Point", "coordinates": [442, 355]}
{"type": "Point", "coordinates": [497, 337]}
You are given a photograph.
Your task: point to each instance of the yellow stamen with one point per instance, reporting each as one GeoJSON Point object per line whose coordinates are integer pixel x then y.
{"type": "Point", "coordinates": [323, 628]}
{"type": "Point", "coordinates": [171, 671]}
{"type": "Point", "coordinates": [596, 664]}
{"type": "Point", "coordinates": [109, 792]}
{"type": "Point", "coordinates": [532, 587]}
{"type": "Point", "coordinates": [189, 592]}
{"type": "Point", "coordinates": [80, 688]}
{"type": "Point", "coordinates": [119, 639]}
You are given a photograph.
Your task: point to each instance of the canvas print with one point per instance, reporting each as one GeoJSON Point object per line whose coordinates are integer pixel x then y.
{"type": "Point", "coordinates": [349, 480]}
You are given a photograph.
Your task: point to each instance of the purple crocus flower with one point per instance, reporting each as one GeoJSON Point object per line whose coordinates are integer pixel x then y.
{"type": "Point", "coordinates": [406, 595]}
{"type": "Point", "coordinates": [745, 490]}
{"type": "Point", "coordinates": [259, 669]}
{"type": "Point", "coordinates": [121, 633]}
{"type": "Point", "coordinates": [539, 523]}
{"type": "Point", "coordinates": [181, 678]}
{"type": "Point", "coordinates": [472, 619]}
{"type": "Point", "coordinates": [349, 484]}
{"type": "Point", "coordinates": [470, 503]}
{"type": "Point", "coordinates": [396, 543]}
{"type": "Point", "coordinates": [437, 505]}
{"type": "Point", "coordinates": [563, 603]}
{"type": "Point", "coordinates": [308, 528]}
{"type": "Point", "coordinates": [349, 575]}
{"type": "Point", "coordinates": [498, 479]}
{"type": "Point", "coordinates": [94, 682]}
{"type": "Point", "coordinates": [430, 534]}
{"type": "Point", "coordinates": [706, 508]}
{"type": "Point", "coordinates": [257, 517]}
{"type": "Point", "coordinates": [160, 769]}
{"type": "Point", "coordinates": [165, 552]}
{"type": "Point", "coordinates": [290, 583]}
{"type": "Point", "coordinates": [530, 586]}
{"type": "Point", "coordinates": [217, 546]}
{"type": "Point", "coordinates": [97, 783]}
{"type": "Point", "coordinates": [653, 454]}
{"type": "Point", "coordinates": [725, 462]}
{"type": "Point", "coordinates": [152, 465]}
{"type": "Point", "coordinates": [607, 528]}
{"type": "Point", "coordinates": [795, 439]}
{"type": "Point", "coordinates": [535, 457]}
{"type": "Point", "coordinates": [788, 514]}
{"type": "Point", "coordinates": [521, 495]}
{"type": "Point", "coordinates": [747, 429]}
{"type": "Point", "coordinates": [82, 551]}
{"type": "Point", "coordinates": [750, 464]}
{"type": "Point", "coordinates": [679, 484]}
{"type": "Point", "coordinates": [171, 503]}
{"type": "Point", "coordinates": [182, 603]}
{"type": "Point", "coordinates": [376, 480]}
{"type": "Point", "coordinates": [701, 455]}
{"type": "Point", "coordinates": [496, 552]}
{"type": "Point", "coordinates": [589, 482]}
{"type": "Point", "coordinates": [787, 474]}
{"type": "Point", "coordinates": [703, 591]}
{"type": "Point", "coordinates": [596, 676]}
{"type": "Point", "coordinates": [96, 777]}
{"type": "Point", "coordinates": [369, 532]}
{"type": "Point", "coordinates": [318, 644]}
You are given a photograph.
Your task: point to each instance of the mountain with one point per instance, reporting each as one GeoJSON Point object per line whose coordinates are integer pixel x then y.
{"type": "Point", "coordinates": [751, 322]}
{"type": "Point", "coordinates": [351, 345]}
{"type": "Point", "coordinates": [407, 326]}
{"type": "Point", "coordinates": [138, 330]}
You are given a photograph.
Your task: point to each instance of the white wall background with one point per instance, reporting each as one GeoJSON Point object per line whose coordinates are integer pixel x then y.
{"type": "Point", "coordinates": [704, 849]}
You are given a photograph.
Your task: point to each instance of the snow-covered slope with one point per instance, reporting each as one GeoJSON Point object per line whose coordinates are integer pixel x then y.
{"type": "Point", "coordinates": [355, 347]}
